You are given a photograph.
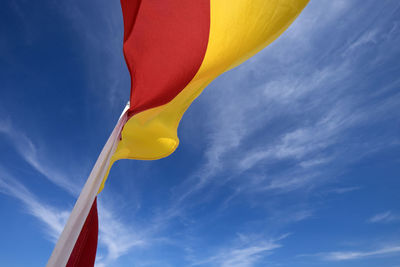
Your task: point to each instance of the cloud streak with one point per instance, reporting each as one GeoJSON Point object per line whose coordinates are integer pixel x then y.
{"type": "Point", "coordinates": [116, 236]}
{"type": "Point", "coordinates": [29, 152]}
{"type": "Point", "coordinates": [385, 217]}
{"type": "Point", "coordinates": [245, 254]}
{"type": "Point", "coordinates": [54, 219]}
{"type": "Point", "coordinates": [354, 255]}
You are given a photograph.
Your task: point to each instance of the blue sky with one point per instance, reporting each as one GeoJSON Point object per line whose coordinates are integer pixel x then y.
{"type": "Point", "coordinates": [291, 159]}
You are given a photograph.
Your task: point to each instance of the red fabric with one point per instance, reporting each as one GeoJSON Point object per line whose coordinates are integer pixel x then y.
{"type": "Point", "coordinates": [129, 10]}
{"type": "Point", "coordinates": [84, 252]}
{"type": "Point", "coordinates": [164, 46]}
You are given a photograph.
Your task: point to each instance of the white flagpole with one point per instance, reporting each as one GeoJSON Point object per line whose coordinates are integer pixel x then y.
{"type": "Point", "coordinates": [76, 220]}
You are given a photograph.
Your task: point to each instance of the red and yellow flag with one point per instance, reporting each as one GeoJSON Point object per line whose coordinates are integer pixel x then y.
{"type": "Point", "coordinates": [173, 49]}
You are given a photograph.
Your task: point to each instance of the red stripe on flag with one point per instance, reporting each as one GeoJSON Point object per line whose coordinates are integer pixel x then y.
{"type": "Point", "coordinates": [84, 252]}
{"type": "Point", "coordinates": [130, 9]}
{"type": "Point", "coordinates": [164, 46]}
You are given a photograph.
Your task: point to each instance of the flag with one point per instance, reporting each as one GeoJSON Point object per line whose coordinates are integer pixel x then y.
{"type": "Point", "coordinates": [173, 50]}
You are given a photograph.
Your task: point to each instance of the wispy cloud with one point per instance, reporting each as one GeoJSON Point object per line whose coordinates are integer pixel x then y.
{"type": "Point", "coordinates": [245, 254]}
{"type": "Point", "coordinates": [343, 190]}
{"type": "Point", "coordinates": [302, 142]}
{"type": "Point", "coordinates": [384, 217]}
{"type": "Point", "coordinates": [116, 236]}
{"type": "Point", "coordinates": [54, 219]}
{"type": "Point", "coordinates": [369, 37]}
{"type": "Point", "coordinates": [29, 152]}
{"type": "Point", "coordinates": [353, 255]}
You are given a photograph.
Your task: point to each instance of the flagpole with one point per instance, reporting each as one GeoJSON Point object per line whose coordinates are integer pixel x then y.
{"type": "Point", "coordinates": [69, 235]}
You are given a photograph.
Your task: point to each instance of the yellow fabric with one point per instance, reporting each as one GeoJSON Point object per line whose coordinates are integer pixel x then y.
{"type": "Point", "coordinates": [238, 30]}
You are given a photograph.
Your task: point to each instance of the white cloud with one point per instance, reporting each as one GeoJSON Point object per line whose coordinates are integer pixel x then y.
{"type": "Point", "coordinates": [385, 217]}
{"type": "Point", "coordinates": [367, 38]}
{"type": "Point", "coordinates": [54, 219]}
{"type": "Point", "coordinates": [343, 190]}
{"type": "Point", "coordinates": [244, 254]}
{"type": "Point", "coordinates": [29, 152]}
{"type": "Point", "coordinates": [116, 236]}
{"type": "Point", "coordinates": [301, 143]}
{"type": "Point", "coordinates": [353, 255]}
